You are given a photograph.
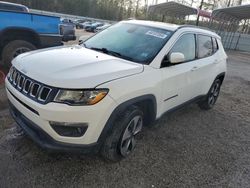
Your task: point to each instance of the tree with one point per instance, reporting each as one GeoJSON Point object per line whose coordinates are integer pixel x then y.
{"type": "Point", "coordinates": [198, 16]}
{"type": "Point", "coordinates": [136, 8]}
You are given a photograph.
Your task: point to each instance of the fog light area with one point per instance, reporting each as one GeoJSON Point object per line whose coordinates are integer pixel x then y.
{"type": "Point", "coordinates": [69, 129]}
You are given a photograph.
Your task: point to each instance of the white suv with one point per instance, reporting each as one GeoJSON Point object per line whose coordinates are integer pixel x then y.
{"type": "Point", "coordinates": [96, 97]}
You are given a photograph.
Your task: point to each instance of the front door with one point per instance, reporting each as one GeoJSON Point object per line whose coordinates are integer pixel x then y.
{"type": "Point", "coordinates": [175, 85]}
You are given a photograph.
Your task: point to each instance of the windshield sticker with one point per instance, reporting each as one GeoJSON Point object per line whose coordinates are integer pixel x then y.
{"type": "Point", "coordinates": [157, 34]}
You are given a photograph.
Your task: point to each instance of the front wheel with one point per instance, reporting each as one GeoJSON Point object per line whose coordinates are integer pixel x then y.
{"type": "Point", "coordinates": [212, 96]}
{"type": "Point", "coordinates": [15, 48]}
{"type": "Point", "coordinates": [122, 140]}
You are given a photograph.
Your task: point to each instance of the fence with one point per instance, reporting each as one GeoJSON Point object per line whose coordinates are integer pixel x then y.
{"type": "Point", "coordinates": [235, 41]}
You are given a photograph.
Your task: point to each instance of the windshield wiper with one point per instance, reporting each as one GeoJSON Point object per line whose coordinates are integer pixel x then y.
{"type": "Point", "coordinates": [113, 53]}
{"type": "Point", "coordinates": [106, 51]}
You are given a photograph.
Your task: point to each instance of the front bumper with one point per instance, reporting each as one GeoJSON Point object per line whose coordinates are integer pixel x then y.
{"type": "Point", "coordinates": [95, 116]}
{"type": "Point", "coordinates": [44, 140]}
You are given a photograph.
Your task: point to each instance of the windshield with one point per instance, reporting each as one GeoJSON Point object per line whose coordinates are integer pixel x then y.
{"type": "Point", "coordinates": [133, 42]}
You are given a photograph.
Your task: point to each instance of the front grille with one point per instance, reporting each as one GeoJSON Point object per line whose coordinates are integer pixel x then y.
{"type": "Point", "coordinates": [29, 87]}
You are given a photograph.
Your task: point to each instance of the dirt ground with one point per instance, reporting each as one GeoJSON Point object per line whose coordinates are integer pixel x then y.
{"type": "Point", "coordinates": [189, 148]}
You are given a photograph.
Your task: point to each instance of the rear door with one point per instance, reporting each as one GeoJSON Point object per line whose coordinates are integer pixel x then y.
{"type": "Point", "coordinates": [202, 72]}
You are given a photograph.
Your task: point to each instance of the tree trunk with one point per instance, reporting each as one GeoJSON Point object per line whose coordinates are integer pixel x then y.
{"type": "Point", "coordinates": [198, 16]}
{"type": "Point", "coordinates": [136, 8]}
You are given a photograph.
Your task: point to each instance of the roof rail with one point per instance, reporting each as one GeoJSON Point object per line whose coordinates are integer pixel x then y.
{"type": "Point", "coordinates": [194, 26]}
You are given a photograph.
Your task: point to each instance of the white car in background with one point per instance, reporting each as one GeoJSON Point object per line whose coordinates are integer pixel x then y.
{"type": "Point", "coordinates": [105, 26]}
{"type": "Point", "coordinates": [98, 96]}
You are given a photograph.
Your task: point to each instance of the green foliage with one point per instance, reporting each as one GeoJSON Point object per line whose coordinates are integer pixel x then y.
{"type": "Point", "coordinates": [105, 9]}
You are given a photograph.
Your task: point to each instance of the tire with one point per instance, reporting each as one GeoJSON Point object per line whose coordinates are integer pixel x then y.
{"type": "Point", "coordinates": [2, 77]}
{"type": "Point", "coordinates": [15, 48]}
{"type": "Point", "coordinates": [212, 96]}
{"type": "Point", "coordinates": [114, 148]}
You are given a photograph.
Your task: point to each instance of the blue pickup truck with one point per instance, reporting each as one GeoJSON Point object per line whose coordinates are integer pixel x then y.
{"type": "Point", "coordinates": [21, 31]}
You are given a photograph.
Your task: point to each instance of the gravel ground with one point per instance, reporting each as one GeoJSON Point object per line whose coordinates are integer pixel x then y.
{"type": "Point", "coordinates": [189, 148]}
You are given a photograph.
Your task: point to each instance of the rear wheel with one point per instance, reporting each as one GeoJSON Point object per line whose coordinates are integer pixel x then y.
{"type": "Point", "coordinates": [212, 96]}
{"type": "Point", "coordinates": [15, 48]}
{"type": "Point", "coordinates": [122, 140]}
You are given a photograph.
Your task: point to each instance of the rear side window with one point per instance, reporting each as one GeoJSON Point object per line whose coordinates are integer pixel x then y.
{"type": "Point", "coordinates": [205, 46]}
{"type": "Point", "coordinates": [10, 7]}
{"type": "Point", "coordinates": [215, 45]}
{"type": "Point", "coordinates": [186, 46]}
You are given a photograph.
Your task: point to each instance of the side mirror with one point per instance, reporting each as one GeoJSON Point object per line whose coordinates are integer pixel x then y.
{"type": "Point", "coordinates": [176, 57]}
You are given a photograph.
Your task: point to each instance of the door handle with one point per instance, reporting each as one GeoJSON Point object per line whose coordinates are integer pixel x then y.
{"type": "Point", "coordinates": [194, 68]}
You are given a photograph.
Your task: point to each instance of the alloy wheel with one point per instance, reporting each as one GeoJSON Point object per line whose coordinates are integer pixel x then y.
{"type": "Point", "coordinates": [128, 141]}
{"type": "Point", "coordinates": [214, 93]}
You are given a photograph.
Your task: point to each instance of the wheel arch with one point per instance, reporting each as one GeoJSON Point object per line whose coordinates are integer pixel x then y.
{"type": "Point", "coordinates": [19, 33]}
{"type": "Point", "coordinates": [143, 102]}
{"type": "Point", "coordinates": [221, 76]}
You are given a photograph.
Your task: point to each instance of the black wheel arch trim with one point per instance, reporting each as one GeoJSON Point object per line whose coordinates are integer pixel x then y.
{"type": "Point", "coordinates": [121, 108]}
{"type": "Point", "coordinates": [217, 77]}
{"type": "Point", "coordinates": [221, 75]}
{"type": "Point", "coordinates": [5, 30]}
{"type": "Point", "coordinates": [43, 39]}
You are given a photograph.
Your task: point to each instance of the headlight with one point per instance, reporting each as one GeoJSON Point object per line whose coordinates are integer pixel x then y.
{"type": "Point", "coordinates": [80, 97]}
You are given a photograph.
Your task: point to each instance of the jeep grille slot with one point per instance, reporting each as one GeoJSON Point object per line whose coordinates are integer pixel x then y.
{"type": "Point", "coordinates": [15, 75]}
{"type": "Point", "coordinates": [20, 82]}
{"type": "Point", "coordinates": [11, 74]}
{"type": "Point", "coordinates": [27, 85]}
{"type": "Point", "coordinates": [44, 93]}
{"type": "Point", "coordinates": [32, 89]}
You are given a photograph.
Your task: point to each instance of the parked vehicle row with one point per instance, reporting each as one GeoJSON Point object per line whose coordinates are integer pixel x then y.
{"type": "Point", "coordinates": [86, 24]}
{"type": "Point", "coordinates": [93, 26]}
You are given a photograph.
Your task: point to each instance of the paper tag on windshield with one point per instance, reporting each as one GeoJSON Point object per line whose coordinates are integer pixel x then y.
{"type": "Point", "coordinates": [156, 34]}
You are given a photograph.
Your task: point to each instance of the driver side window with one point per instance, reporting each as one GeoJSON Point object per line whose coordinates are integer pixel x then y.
{"type": "Point", "coordinates": [186, 46]}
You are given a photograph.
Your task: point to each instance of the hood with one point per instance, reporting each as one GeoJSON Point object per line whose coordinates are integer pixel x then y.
{"type": "Point", "coordinates": [74, 67]}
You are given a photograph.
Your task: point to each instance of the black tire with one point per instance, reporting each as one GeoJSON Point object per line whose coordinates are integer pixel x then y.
{"type": "Point", "coordinates": [111, 149]}
{"type": "Point", "coordinates": [14, 48]}
{"type": "Point", "coordinates": [212, 96]}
